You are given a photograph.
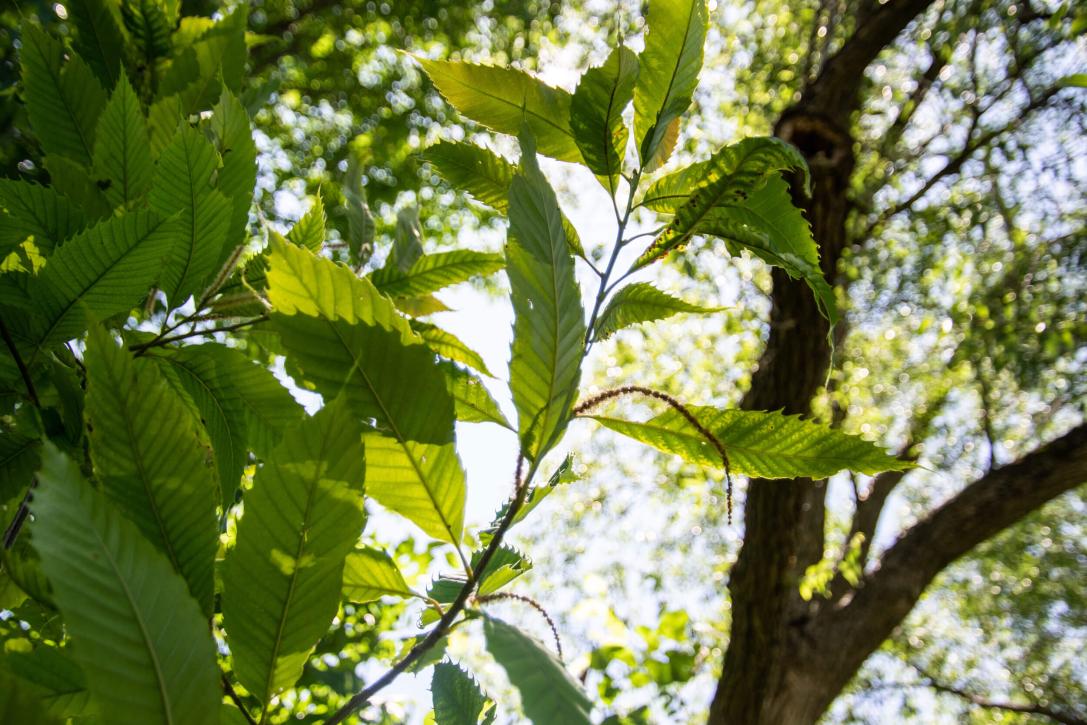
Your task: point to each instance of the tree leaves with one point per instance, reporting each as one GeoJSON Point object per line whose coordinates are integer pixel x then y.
{"type": "Point", "coordinates": [548, 693]}
{"type": "Point", "coordinates": [150, 461]}
{"type": "Point", "coordinates": [183, 183]}
{"type": "Point", "coordinates": [432, 272]}
{"type": "Point", "coordinates": [301, 517]}
{"type": "Point", "coordinates": [641, 302]}
{"type": "Point", "coordinates": [549, 326]}
{"type": "Point", "coordinates": [63, 100]}
{"type": "Point", "coordinates": [122, 148]}
{"type": "Point", "coordinates": [676, 31]}
{"type": "Point", "coordinates": [238, 174]}
{"type": "Point", "coordinates": [39, 212]}
{"type": "Point", "coordinates": [370, 574]}
{"type": "Point", "coordinates": [760, 444]}
{"type": "Point", "coordinates": [457, 698]}
{"type": "Point", "coordinates": [503, 99]}
{"type": "Point", "coordinates": [481, 173]}
{"type": "Point", "coordinates": [309, 232]}
{"type": "Point", "coordinates": [596, 113]}
{"type": "Point", "coordinates": [104, 270]}
{"type": "Point", "coordinates": [140, 638]}
{"type": "Point", "coordinates": [346, 337]}
{"type": "Point", "coordinates": [728, 177]}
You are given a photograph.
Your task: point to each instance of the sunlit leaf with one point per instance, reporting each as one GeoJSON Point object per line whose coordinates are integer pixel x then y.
{"type": "Point", "coordinates": [370, 574]}
{"type": "Point", "coordinates": [596, 113]}
{"type": "Point", "coordinates": [641, 302]}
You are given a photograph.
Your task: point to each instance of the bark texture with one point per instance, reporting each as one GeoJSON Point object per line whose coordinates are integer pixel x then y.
{"type": "Point", "coordinates": [787, 660]}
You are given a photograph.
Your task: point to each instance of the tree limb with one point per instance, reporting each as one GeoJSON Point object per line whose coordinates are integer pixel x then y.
{"type": "Point", "coordinates": [980, 511]}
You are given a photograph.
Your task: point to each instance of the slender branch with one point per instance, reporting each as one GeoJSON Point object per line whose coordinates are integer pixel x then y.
{"type": "Point", "coordinates": [444, 624]}
{"type": "Point", "coordinates": [498, 596]}
{"type": "Point", "coordinates": [161, 341]}
{"type": "Point", "coordinates": [31, 393]}
{"type": "Point", "coordinates": [233, 695]}
{"type": "Point", "coordinates": [603, 289]}
{"type": "Point", "coordinates": [1032, 708]}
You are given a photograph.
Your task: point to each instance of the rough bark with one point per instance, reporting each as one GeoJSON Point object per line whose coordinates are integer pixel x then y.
{"type": "Point", "coordinates": [785, 663]}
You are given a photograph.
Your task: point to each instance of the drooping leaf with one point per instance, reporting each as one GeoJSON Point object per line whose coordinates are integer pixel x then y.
{"type": "Point", "coordinates": [548, 693]}
{"type": "Point", "coordinates": [641, 302]}
{"type": "Point", "coordinates": [122, 148]}
{"type": "Point", "coordinates": [471, 399]}
{"type": "Point", "coordinates": [37, 211]}
{"type": "Point", "coordinates": [596, 113]}
{"type": "Point", "coordinates": [63, 100]}
{"type": "Point", "coordinates": [141, 640]}
{"type": "Point", "coordinates": [309, 232]}
{"type": "Point", "coordinates": [347, 337]}
{"type": "Point", "coordinates": [19, 703]}
{"type": "Point", "coordinates": [97, 39]}
{"type": "Point", "coordinates": [150, 461]}
{"type": "Point", "coordinates": [104, 270]}
{"type": "Point", "coordinates": [770, 226]}
{"type": "Point", "coordinates": [456, 696]}
{"type": "Point", "coordinates": [302, 516]}
{"type": "Point", "coordinates": [183, 184]}
{"type": "Point", "coordinates": [760, 444]}
{"type": "Point", "coordinates": [549, 325]}
{"type": "Point", "coordinates": [370, 574]}
{"type": "Point", "coordinates": [407, 242]}
{"type": "Point", "coordinates": [729, 177]}
{"type": "Point", "coordinates": [360, 222]}
{"type": "Point", "coordinates": [433, 272]}
{"type": "Point", "coordinates": [449, 346]}
{"type": "Point", "coordinates": [54, 677]}
{"type": "Point", "coordinates": [504, 99]}
{"type": "Point", "coordinates": [676, 31]}
{"type": "Point", "coordinates": [238, 176]}
{"type": "Point", "coordinates": [424, 482]}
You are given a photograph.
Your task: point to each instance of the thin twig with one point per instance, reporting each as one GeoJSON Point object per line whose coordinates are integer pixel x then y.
{"type": "Point", "coordinates": [233, 695]}
{"type": "Point", "coordinates": [12, 531]}
{"type": "Point", "coordinates": [498, 596]}
{"type": "Point", "coordinates": [31, 393]}
{"type": "Point", "coordinates": [163, 341]}
{"type": "Point", "coordinates": [705, 432]}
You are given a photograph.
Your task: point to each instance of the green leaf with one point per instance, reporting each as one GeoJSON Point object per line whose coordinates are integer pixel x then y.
{"type": "Point", "coordinates": [309, 232]}
{"type": "Point", "coordinates": [457, 698]}
{"type": "Point", "coordinates": [563, 474]}
{"type": "Point", "coordinates": [346, 336]}
{"type": "Point", "coordinates": [478, 171]}
{"type": "Point", "coordinates": [774, 230]}
{"type": "Point", "coordinates": [282, 580]}
{"type": "Point", "coordinates": [74, 180]}
{"type": "Point", "coordinates": [370, 574]}
{"type": "Point", "coordinates": [233, 137]}
{"type": "Point", "coordinates": [39, 212]}
{"type": "Point", "coordinates": [424, 482]}
{"type": "Point", "coordinates": [149, 30]}
{"type": "Point", "coordinates": [407, 242]}
{"type": "Point", "coordinates": [641, 302]}
{"type": "Point", "coordinates": [97, 39]}
{"type": "Point", "coordinates": [471, 399]}
{"type": "Point", "coordinates": [20, 456]}
{"type": "Point", "coordinates": [122, 148]}
{"type": "Point", "coordinates": [150, 461]}
{"type": "Point", "coordinates": [54, 677]}
{"type": "Point", "coordinates": [1075, 80]}
{"type": "Point", "coordinates": [730, 176]}
{"type": "Point", "coordinates": [19, 703]}
{"type": "Point", "coordinates": [596, 113]}
{"type": "Point", "coordinates": [760, 444]}
{"type": "Point", "coordinates": [506, 565]}
{"type": "Point", "coordinates": [102, 271]}
{"type": "Point", "coordinates": [183, 184]}
{"type": "Point", "coordinates": [504, 99]}
{"type": "Point", "coordinates": [63, 100]}
{"type": "Point", "coordinates": [676, 31]}
{"type": "Point", "coordinates": [140, 638]}
{"type": "Point", "coordinates": [548, 693]}
{"type": "Point", "coordinates": [360, 222]}
{"type": "Point", "coordinates": [432, 272]}
{"type": "Point", "coordinates": [487, 177]}
{"type": "Point", "coordinates": [549, 324]}
{"type": "Point", "coordinates": [449, 346]}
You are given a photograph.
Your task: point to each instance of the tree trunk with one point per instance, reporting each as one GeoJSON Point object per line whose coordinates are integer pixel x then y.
{"type": "Point", "coordinates": [786, 661]}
